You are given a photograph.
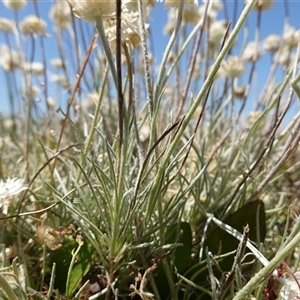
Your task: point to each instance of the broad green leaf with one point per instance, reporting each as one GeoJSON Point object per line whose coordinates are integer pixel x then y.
{"type": "Point", "coordinates": [252, 214]}
{"type": "Point", "coordinates": [62, 257]}
{"type": "Point", "coordinates": [181, 256]}
{"type": "Point", "coordinates": [219, 242]}
{"type": "Point", "coordinates": [80, 269]}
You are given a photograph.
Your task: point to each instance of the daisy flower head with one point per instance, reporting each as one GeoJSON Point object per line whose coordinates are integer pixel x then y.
{"type": "Point", "coordinates": [9, 188]}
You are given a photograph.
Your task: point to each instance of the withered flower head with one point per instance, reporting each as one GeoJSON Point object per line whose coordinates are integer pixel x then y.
{"type": "Point", "coordinates": [51, 237]}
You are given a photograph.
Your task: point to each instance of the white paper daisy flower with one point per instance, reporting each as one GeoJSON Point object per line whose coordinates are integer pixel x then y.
{"type": "Point", "coordinates": [9, 188]}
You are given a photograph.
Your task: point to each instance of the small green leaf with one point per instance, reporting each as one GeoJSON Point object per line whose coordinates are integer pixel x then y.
{"type": "Point", "coordinates": [62, 257]}
{"type": "Point", "coordinates": [182, 254]}
{"type": "Point", "coordinates": [81, 267]}
{"type": "Point", "coordinates": [252, 214]}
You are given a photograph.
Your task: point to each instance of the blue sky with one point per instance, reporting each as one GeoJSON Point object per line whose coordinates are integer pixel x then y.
{"type": "Point", "coordinates": [272, 22]}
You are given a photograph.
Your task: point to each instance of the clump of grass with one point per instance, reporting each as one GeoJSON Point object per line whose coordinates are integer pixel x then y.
{"type": "Point", "coordinates": [134, 185]}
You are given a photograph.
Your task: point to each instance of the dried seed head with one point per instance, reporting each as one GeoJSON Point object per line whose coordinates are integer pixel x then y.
{"type": "Point", "coordinates": [32, 25]}
{"type": "Point", "coordinates": [216, 5]}
{"type": "Point", "coordinates": [291, 36]}
{"type": "Point", "coordinates": [35, 68]}
{"type": "Point", "coordinates": [6, 25]}
{"type": "Point", "coordinates": [31, 92]}
{"type": "Point", "coordinates": [91, 10]}
{"type": "Point", "coordinates": [251, 52]}
{"type": "Point", "coordinates": [9, 59]}
{"type": "Point", "coordinates": [254, 116]}
{"type": "Point", "coordinates": [51, 237]}
{"type": "Point", "coordinates": [272, 43]}
{"type": "Point", "coordinates": [261, 5]}
{"type": "Point", "coordinates": [176, 3]}
{"type": "Point", "coordinates": [144, 132]}
{"type": "Point", "coordinates": [14, 4]}
{"type": "Point", "coordinates": [170, 25]}
{"type": "Point", "coordinates": [51, 102]}
{"type": "Point", "coordinates": [240, 91]}
{"type": "Point", "coordinates": [232, 67]}
{"type": "Point", "coordinates": [217, 31]}
{"type": "Point", "coordinates": [130, 34]}
{"type": "Point", "coordinates": [190, 14]}
{"type": "Point", "coordinates": [284, 56]}
{"type": "Point", "coordinates": [57, 63]}
{"type": "Point", "coordinates": [61, 80]}
{"type": "Point", "coordinates": [60, 13]}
